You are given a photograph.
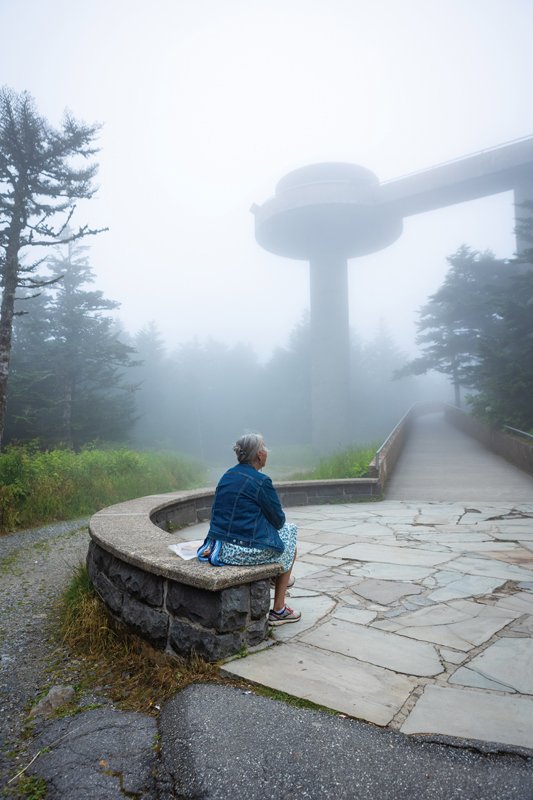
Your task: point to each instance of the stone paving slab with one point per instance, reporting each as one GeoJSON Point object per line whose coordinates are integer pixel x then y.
{"type": "Point", "coordinates": [469, 677]}
{"type": "Point", "coordinates": [358, 615]}
{"type": "Point", "coordinates": [392, 555]}
{"type": "Point", "coordinates": [508, 661]}
{"type": "Point", "coordinates": [328, 679]}
{"type": "Point", "coordinates": [303, 568]}
{"type": "Point", "coordinates": [493, 567]}
{"type": "Point", "coordinates": [329, 581]}
{"type": "Point", "coordinates": [467, 586]}
{"type": "Point", "coordinates": [313, 609]}
{"type": "Point", "coordinates": [392, 572]}
{"type": "Point", "coordinates": [518, 557]}
{"type": "Point", "coordinates": [462, 627]}
{"type": "Point", "coordinates": [386, 591]}
{"type": "Point", "coordinates": [383, 649]}
{"type": "Point", "coordinates": [521, 601]}
{"type": "Point", "coordinates": [473, 715]}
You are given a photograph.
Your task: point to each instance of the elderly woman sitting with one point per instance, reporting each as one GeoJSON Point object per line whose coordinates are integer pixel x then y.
{"type": "Point", "coordinates": [248, 524]}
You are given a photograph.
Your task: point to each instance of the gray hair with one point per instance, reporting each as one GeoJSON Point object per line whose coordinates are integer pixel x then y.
{"type": "Point", "coordinates": [248, 447]}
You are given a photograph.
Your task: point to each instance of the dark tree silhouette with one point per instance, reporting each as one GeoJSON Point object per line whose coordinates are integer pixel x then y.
{"type": "Point", "coordinates": [478, 329]}
{"type": "Point", "coordinates": [70, 372]}
{"type": "Point", "coordinates": [42, 174]}
{"type": "Point", "coordinates": [503, 373]}
{"type": "Point", "coordinates": [452, 320]}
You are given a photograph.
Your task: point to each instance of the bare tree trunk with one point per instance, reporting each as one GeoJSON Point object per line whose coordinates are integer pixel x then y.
{"type": "Point", "coordinates": [456, 384]}
{"type": "Point", "coordinates": [457, 393]}
{"type": "Point", "coordinates": [10, 280]}
{"type": "Point", "coordinates": [67, 415]}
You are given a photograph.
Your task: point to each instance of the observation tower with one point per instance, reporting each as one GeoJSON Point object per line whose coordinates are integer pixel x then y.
{"type": "Point", "coordinates": [328, 213]}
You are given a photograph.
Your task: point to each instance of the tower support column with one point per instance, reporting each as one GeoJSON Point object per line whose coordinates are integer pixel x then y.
{"type": "Point", "coordinates": [523, 193]}
{"type": "Point", "coordinates": [330, 343]}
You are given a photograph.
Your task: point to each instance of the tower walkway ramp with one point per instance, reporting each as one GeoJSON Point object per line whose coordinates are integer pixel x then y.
{"type": "Point", "coordinates": [441, 463]}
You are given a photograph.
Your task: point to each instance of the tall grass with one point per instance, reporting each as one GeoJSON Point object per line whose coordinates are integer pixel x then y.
{"type": "Point", "coordinates": [38, 487]}
{"type": "Point", "coordinates": [351, 463]}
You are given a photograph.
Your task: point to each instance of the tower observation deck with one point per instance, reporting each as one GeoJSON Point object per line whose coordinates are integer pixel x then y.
{"type": "Point", "coordinates": [330, 212]}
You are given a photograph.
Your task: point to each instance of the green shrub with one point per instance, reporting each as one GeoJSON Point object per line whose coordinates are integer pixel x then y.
{"type": "Point", "coordinates": [38, 487]}
{"type": "Point", "coordinates": [351, 463]}
{"type": "Point", "coordinates": [29, 788]}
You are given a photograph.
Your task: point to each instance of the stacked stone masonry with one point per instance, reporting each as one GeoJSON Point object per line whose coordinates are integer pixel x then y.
{"type": "Point", "coordinates": [176, 617]}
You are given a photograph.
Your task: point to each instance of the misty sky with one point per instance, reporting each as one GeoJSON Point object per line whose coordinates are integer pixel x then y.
{"type": "Point", "coordinates": [206, 104]}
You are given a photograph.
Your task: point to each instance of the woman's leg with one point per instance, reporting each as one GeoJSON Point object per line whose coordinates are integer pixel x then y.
{"type": "Point", "coordinates": [282, 582]}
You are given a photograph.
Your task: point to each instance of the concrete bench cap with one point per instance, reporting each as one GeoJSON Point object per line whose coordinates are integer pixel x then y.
{"type": "Point", "coordinates": [126, 531]}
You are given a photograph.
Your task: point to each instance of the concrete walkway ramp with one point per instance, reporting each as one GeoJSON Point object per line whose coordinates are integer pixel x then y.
{"type": "Point", "coordinates": [441, 463]}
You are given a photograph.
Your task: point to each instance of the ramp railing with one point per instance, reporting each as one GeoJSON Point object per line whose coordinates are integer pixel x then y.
{"type": "Point", "coordinates": [508, 445]}
{"type": "Point", "coordinates": [389, 452]}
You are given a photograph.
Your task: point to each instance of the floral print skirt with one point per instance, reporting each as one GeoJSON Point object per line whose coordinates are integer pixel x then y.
{"type": "Point", "coordinates": [237, 555]}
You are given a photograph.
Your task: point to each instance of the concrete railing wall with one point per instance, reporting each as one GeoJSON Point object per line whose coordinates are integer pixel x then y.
{"type": "Point", "coordinates": [387, 456]}
{"type": "Point", "coordinates": [195, 507]}
{"type": "Point", "coordinates": [514, 449]}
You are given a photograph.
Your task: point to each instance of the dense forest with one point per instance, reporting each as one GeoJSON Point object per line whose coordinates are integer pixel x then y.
{"type": "Point", "coordinates": [78, 378]}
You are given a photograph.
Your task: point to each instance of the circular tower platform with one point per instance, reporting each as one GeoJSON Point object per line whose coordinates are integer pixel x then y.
{"type": "Point", "coordinates": [326, 208]}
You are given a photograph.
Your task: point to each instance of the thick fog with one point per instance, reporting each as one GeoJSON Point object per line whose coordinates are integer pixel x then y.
{"type": "Point", "coordinates": [205, 105]}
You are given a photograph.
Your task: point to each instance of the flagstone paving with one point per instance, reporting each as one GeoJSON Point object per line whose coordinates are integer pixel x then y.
{"type": "Point", "coordinates": [417, 616]}
{"type": "Point", "coordinates": [488, 715]}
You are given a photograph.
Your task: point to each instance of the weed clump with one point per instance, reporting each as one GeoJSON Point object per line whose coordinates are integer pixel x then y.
{"type": "Point", "coordinates": [131, 672]}
{"type": "Point", "coordinates": [29, 788]}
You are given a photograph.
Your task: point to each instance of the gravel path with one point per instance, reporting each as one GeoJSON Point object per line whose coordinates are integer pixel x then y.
{"type": "Point", "coordinates": [35, 566]}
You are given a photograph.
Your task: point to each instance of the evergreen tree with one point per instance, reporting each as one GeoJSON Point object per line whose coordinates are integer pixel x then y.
{"type": "Point", "coordinates": [30, 375]}
{"type": "Point", "coordinates": [478, 328]}
{"type": "Point", "coordinates": [40, 181]}
{"type": "Point", "coordinates": [213, 392]}
{"type": "Point", "coordinates": [151, 375]}
{"type": "Point", "coordinates": [378, 404]}
{"type": "Point", "coordinates": [503, 373]}
{"type": "Point", "coordinates": [92, 398]}
{"type": "Point", "coordinates": [285, 398]}
{"type": "Point", "coordinates": [451, 323]}
{"type": "Point", "coordinates": [69, 384]}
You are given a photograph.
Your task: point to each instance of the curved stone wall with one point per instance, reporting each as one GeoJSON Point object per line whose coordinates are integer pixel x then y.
{"type": "Point", "coordinates": [185, 606]}
{"type": "Point", "coordinates": [177, 617]}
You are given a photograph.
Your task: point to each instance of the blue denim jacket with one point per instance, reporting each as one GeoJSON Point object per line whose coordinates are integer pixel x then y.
{"type": "Point", "coordinates": [246, 510]}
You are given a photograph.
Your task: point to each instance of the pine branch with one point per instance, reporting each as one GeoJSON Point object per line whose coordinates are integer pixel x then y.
{"type": "Point", "coordinates": [84, 231]}
{"type": "Point", "coordinates": [34, 283]}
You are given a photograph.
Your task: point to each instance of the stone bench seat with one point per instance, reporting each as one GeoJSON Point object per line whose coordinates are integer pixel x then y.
{"type": "Point", "coordinates": [178, 606]}
{"type": "Point", "coordinates": [126, 531]}
{"type": "Point", "coordinates": [188, 606]}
